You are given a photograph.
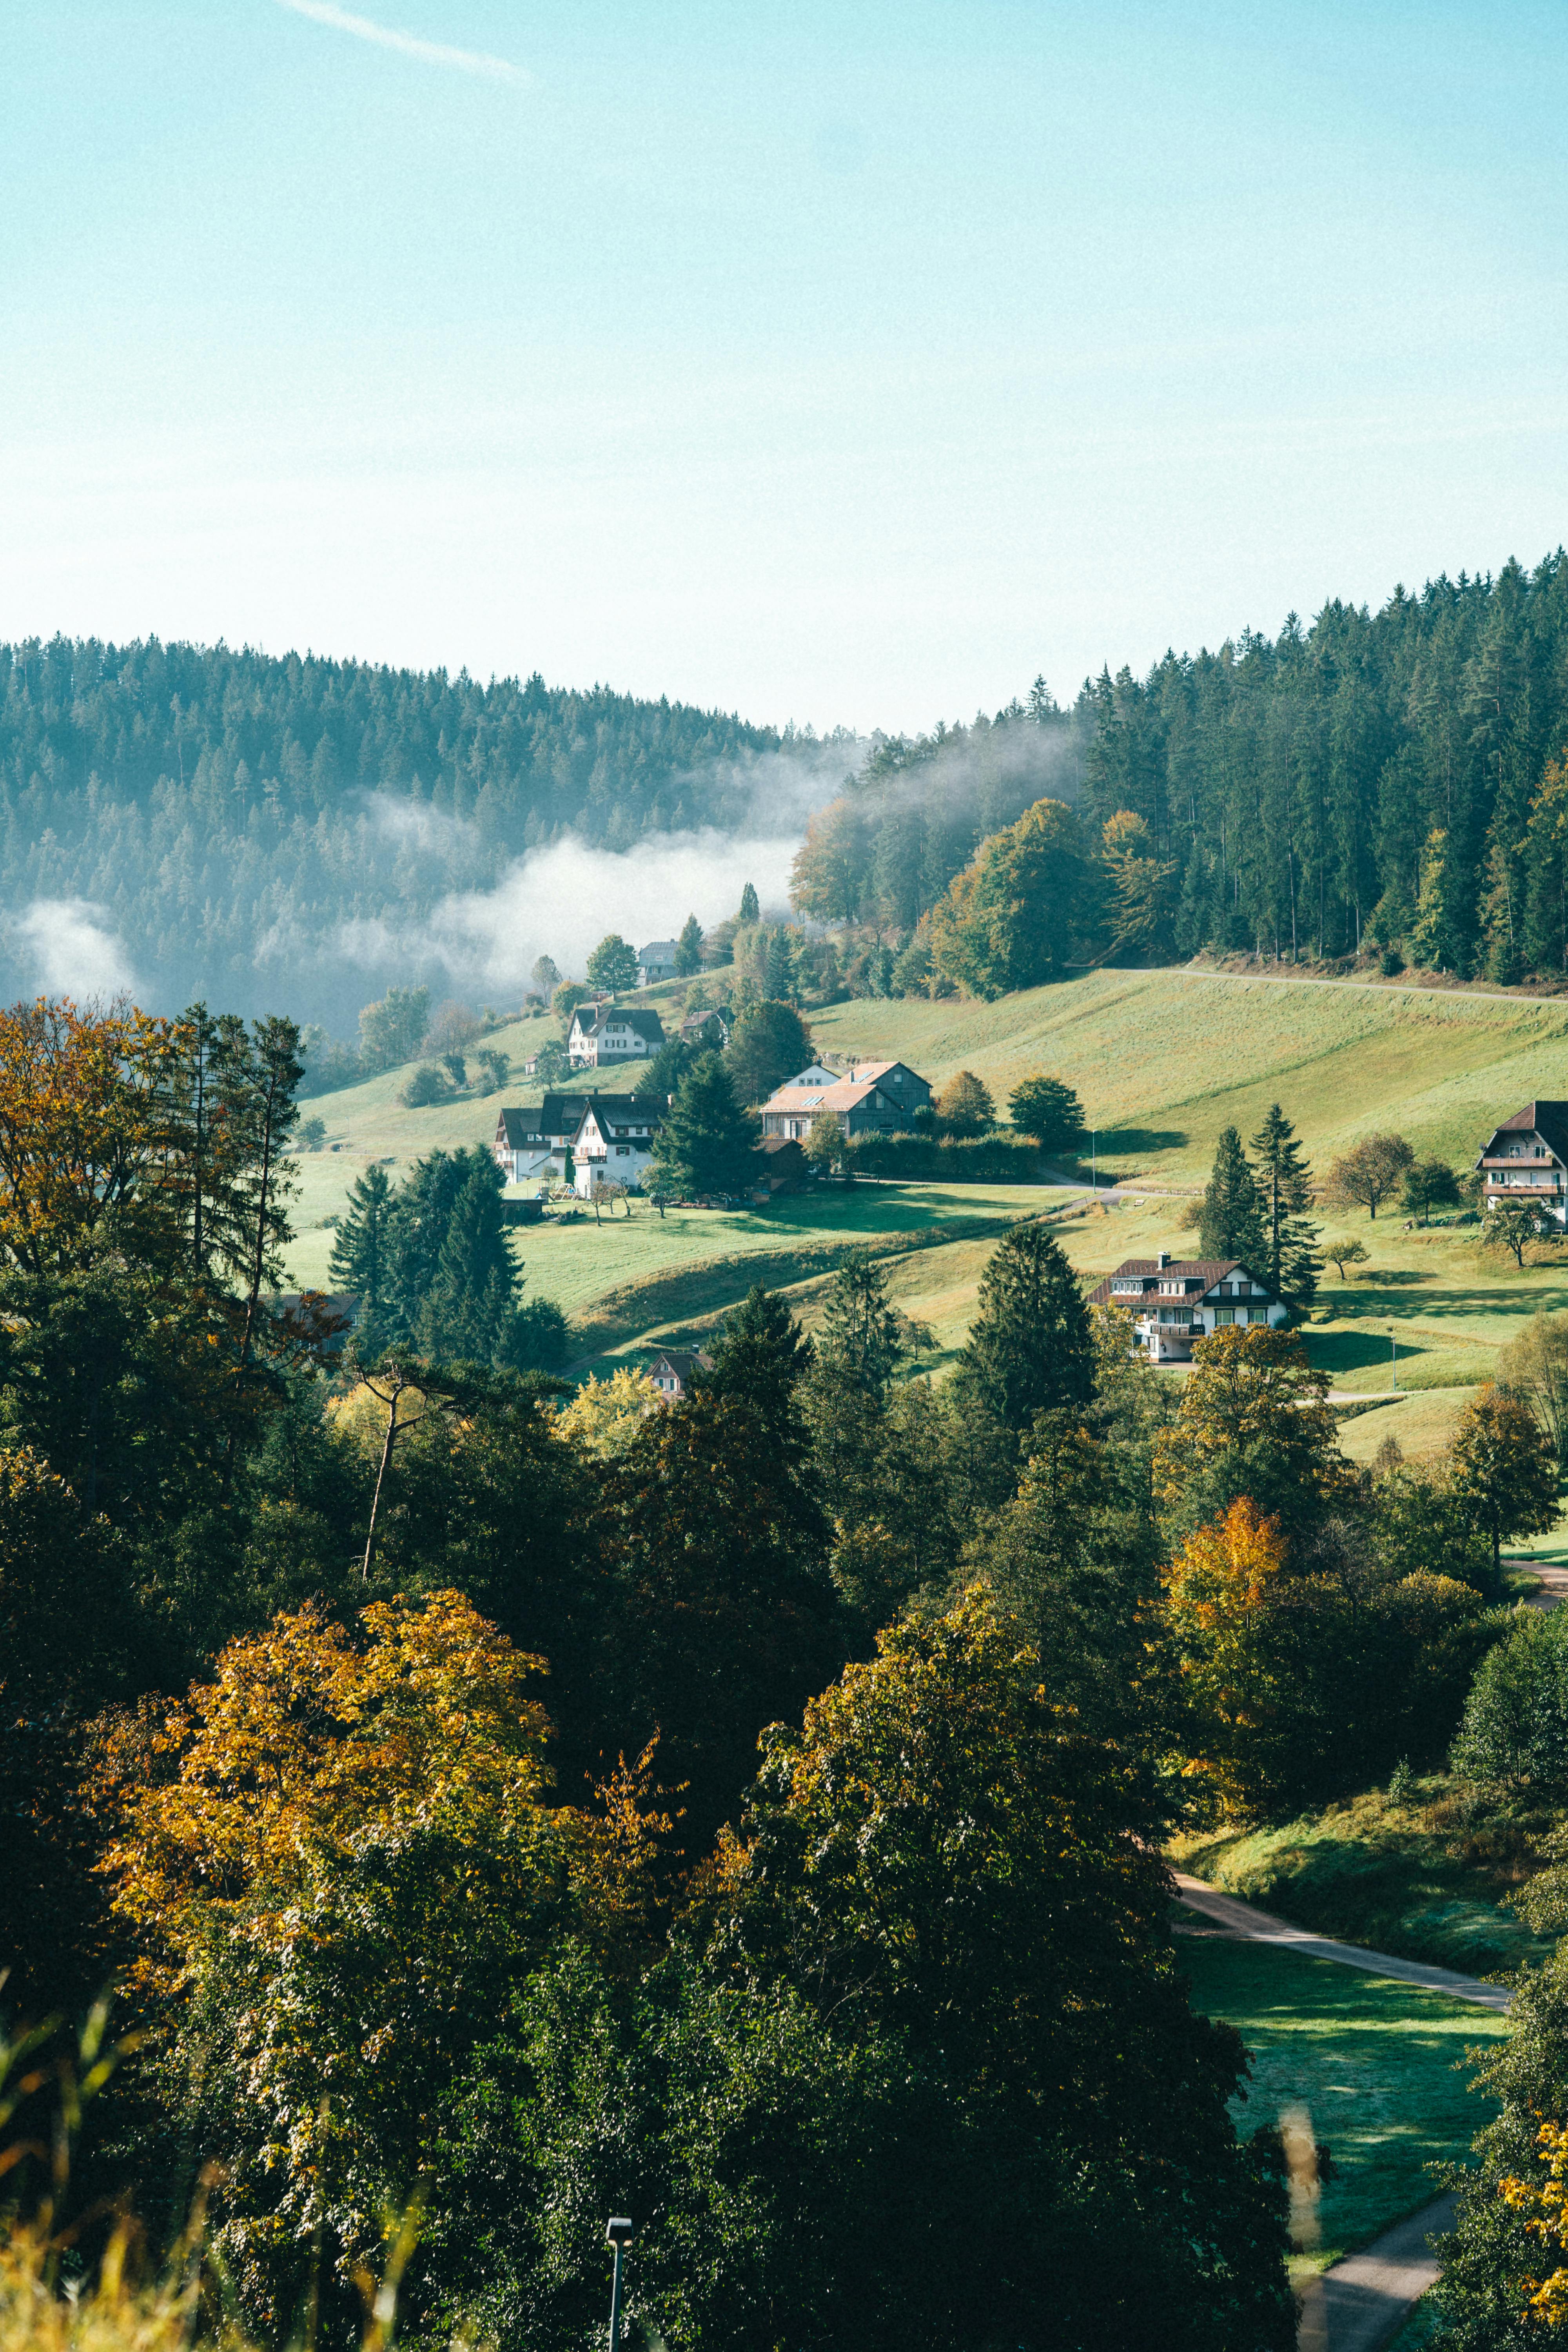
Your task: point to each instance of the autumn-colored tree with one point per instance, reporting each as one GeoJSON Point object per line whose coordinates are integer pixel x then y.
{"type": "Point", "coordinates": [964, 1106]}
{"type": "Point", "coordinates": [1504, 1466]}
{"type": "Point", "coordinates": [1143, 886]}
{"type": "Point", "coordinates": [333, 1858]}
{"type": "Point", "coordinates": [1009, 920]}
{"type": "Point", "coordinates": [1216, 1590]}
{"type": "Point", "coordinates": [1370, 1171]}
{"type": "Point", "coordinates": [78, 1129]}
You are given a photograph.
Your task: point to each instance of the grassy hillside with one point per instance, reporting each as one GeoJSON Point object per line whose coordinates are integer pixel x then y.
{"type": "Point", "coordinates": [1161, 1061]}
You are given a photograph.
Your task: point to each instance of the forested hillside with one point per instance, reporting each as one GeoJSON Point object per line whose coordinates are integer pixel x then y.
{"type": "Point", "coordinates": [1396, 775]}
{"type": "Point", "coordinates": [230, 812]}
{"type": "Point", "coordinates": [1393, 779]}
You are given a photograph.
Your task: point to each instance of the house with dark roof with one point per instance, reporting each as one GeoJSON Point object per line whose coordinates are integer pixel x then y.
{"type": "Point", "coordinates": [656, 962]}
{"type": "Point", "coordinates": [602, 1034]}
{"type": "Point", "coordinates": [1524, 1162]}
{"type": "Point", "coordinates": [673, 1372]}
{"type": "Point", "coordinates": [706, 1032]}
{"type": "Point", "coordinates": [536, 1143]}
{"type": "Point", "coordinates": [614, 1141]}
{"type": "Point", "coordinates": [1174, 1300]}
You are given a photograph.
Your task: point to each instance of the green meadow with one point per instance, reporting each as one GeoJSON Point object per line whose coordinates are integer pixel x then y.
{"type": "Point", "coordinates": [1378, 2066]}
{"type": "Point", "coordinates": [1161, 1061]}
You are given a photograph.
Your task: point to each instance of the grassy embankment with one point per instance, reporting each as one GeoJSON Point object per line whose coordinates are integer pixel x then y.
{"type": "Point", "coordinates": [1161, 1061]}
{"type": "Point", "coordinates": [1376, 2065]}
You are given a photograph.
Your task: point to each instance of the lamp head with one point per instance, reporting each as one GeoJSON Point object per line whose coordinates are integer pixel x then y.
{"type": "Point", "coordinates": [617, 2229]}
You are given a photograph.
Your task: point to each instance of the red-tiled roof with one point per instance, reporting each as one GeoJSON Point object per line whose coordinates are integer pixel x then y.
{"type": "Point", "coordinates": [1206, 1270]}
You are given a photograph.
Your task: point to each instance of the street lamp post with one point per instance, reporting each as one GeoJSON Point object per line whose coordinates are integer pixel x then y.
{"type": "Point", "coordinates": [617, 2232]}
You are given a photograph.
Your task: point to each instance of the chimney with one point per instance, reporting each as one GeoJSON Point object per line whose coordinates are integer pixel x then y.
{"type": "Point", "coordinates": [1163, 1260]}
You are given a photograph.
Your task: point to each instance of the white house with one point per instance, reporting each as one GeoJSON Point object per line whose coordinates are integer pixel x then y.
{"type": "Point", "coordinates": [537, 1143]}
{"type": "Point", "coordinates": [656, 962]}
{"type": "Point", "coordinates": [602, 1034]}
{"type": "Point", "coordinates": [1174, 1300]}
{"type": "Point", "coordinates": [673, 1371]}
{"type": "Point", "coordinates": [1525, 1164]}
{"type": "Point", "coordinates": [614, 1141]}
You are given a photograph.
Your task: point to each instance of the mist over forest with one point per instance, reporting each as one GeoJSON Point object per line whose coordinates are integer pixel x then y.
{"type": "Point", "coordinates": [298, 835]}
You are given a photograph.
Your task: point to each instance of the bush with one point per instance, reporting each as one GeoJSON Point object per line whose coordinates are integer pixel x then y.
{"type": "Point", "coordinates": [1515, 1726]}
{"type": "Point", "coordinates": [426, 1086]}
{"type": "Point", "coordinates": [946, 1159]}
{"type": "Point", "coordinates": [1390, 963]}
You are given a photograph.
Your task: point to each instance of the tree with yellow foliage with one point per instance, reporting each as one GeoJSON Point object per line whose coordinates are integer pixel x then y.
{"type": "Point", "coordinates": [1217, 1591]}
{"type": "Point", "coordinates": [604, 1416]}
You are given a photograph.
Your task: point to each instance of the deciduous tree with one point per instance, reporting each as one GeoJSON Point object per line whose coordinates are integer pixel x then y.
{"type": "Point", "coordinates": [1370, 1171]}
{"type": "Point", "coordinates": [1504, 1466]}
{"type": "Point", "coordinates": [1049, 1111]}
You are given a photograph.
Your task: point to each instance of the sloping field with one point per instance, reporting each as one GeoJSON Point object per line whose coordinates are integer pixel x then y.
{"type": "Point", "coordinates": [1163, 1060]}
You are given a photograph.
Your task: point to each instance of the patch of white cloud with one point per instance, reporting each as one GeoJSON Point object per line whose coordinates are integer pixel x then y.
{"type": "Point", "coordinates": [69, 950]}
{"type": "Point", "coordinates": [407, 44]}
{"type": "Point", "coordinates": [562, 900]}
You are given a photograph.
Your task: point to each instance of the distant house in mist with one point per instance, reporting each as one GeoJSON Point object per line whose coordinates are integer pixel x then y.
{"type": "Point", "coordinates": [656, 962]}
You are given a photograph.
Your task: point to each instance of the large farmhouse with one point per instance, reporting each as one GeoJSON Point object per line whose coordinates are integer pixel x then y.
{"type": "Point", "coordinates": [875, 1099]}
{"type": "Point", "coordinates": [1525, 1164]}
{"type": "Point", "coordinates": [614, 1141]}
{"type": "Point", "coordinates": [532, 1144]}
{"type": "Point", "coordinates": [1174, 1300]}
{"type": "Point", "coordinates": [602, 1034]}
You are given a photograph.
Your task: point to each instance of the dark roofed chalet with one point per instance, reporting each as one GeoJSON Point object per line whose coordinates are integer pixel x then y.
{"type": "Point", "coordinates": [1524, 1162]}
{"type": "Point", "coordinates": [1174, 1300]}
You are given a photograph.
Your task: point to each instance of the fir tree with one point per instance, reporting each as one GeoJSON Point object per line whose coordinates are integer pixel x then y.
{"type": "Point", "coordinates": [1284, 1184]}
{"type": "Point", "coordinates": [361, 1259]}
{"type": "Point", "coordinates": [1230, 1224]}
{"type": "Point", "coordinates": [466, 1317]}
{"type": "Point", "coordinates": [706, 1141]}
{"type": "Point", "coordinates": [689, 948]}
{"type": "Point", "coordinates": [860, 1329]}
{"type": "Point", "coordinates": [1029, 1349]}
{"type": "Point", "coordinates": [750, 911]}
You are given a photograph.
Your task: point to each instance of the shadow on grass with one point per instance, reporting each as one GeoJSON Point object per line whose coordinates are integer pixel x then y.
{"type": "Point", "coordinates": [1353, 1351]}
{"type": "Point", "coordinates": [1122, 1142]}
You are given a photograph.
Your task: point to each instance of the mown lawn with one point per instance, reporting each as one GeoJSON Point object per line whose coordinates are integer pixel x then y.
{"type": "Point", "coordinates": [1379, 2067]}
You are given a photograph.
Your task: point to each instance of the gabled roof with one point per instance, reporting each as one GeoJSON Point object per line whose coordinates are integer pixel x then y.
{"type": "Point", "coordinates": [660, 948]}
{"type": "Point", "coordinates": [647, 1025]}
{"type": "Point", "coordinates": [556, 1115]}
{"type": "Point", "coordinates": [1547, 1119]}
{"type": "Point", "coordinates": [818, 1075]}
{"type": "Point", "coordinates": [1206, 1270]}
{"type": "Point", "coordinates": [881, 1069]}
{"type": "Point", "coordinates": [682, 1362]}
{"type": "Point", "coordinates": [845, 1094]}
{"type": "Point", "coordinates": [614, 1115]}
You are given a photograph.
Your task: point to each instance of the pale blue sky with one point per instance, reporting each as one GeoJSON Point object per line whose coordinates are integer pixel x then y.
{"type": "Point", "coordinates": [845, 363]}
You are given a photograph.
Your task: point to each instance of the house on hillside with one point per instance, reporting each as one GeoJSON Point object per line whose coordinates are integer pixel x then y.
{"type": "Point", "coordinates": [673, 1372]}
{"type": "Point", "coordinates": [535, 1144]}
{"type": "Point", "coordinates": [656, 962]}
{"type": "Point", "coordinates": [614, 1141]}
{"type": "Point", "coordinates": [706, 1031]}
{"type": "Point", "coordinates": [863, 1105]}
{"type": "Point", "coordinates": [603, 1034]}
{"type": "Point", "coordinates": [1524, 1163]}
{"type": "Point", "coordinates": [1174, 1300]}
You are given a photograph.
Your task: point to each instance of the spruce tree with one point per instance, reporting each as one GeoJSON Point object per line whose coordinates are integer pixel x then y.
{"type": "Point", "coordinates": [1230, 1224]}
{"type": "Point", "coordinates": [860, 1329]}
{"type": "Point", "coordinates": [1284, 1184]}
{"type": "Point", "coordinates": [750, 911]}
{"type": "Point", "coordinates": [689, 948]}
{"type": "Point", "coordinates": [706, 1141]}
{"type": "Point", "coordinates": [1029, 1349]}
{"type": "Point", "coordinates": [466, 1317]}
{"type": "Point", "coordinates": [361, 1259]}
{"type": "Point", "coordinates": [763, 1356]}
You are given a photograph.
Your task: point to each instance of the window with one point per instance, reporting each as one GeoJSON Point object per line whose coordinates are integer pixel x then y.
{"type": "Point", "coordinates": [1223, 1315]}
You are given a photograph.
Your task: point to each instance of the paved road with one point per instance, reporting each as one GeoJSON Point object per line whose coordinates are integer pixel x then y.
{"type": "Point", "coordinates": [1550, 1590]}
{"type": "Point", "coordinates": [1248, 1924]}
{"type": "Point", "coordinates": [1357, 2305]}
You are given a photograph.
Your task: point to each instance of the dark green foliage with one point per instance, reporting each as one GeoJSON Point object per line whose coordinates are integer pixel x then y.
{"type": "Point", "coordinates": [1515, 1728]}
{"type": "Point", "coordinates": [466, 1312]}
{"type": "Point", "coordinates": [1291, 1266]}
{"type": "Point", "coordinates": [361, 1262]}
{"type": "Point", "coordinates": [426, 1086]}
{"type": "Point", "coordinates": [1431, 1184]}
{"type": "Point", "coordinates": [750, 911]}
{"type": "Point", "coordinates": [706, 1141]}
{"type": "Point", "coordinates": [1028, 1348]}
{"type": "Point", "coordinates": [689, 948]}
{"type": "Point", "coordinates": [768, 1044]}
{"type": "Point", "coordinates": [1418, 1522]}
{"type": "Point", "coordinates": [552, 1063]}
{"type": "Point", "coordinates": [659, 1078]}
{"type": "Point", "coordinates": [1231, 1221]}
{"type": "Point", "coordinates": [1049, 1111]}
{"type": "Point", "coordinates": [613, 966]}
{"type": "Point", "coordinates": [860, 1337]}
{"type": "Point", "coordinates": [762, 1357]}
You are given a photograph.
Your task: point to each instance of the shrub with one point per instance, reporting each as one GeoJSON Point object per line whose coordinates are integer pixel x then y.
{"type": "Point", "coordinates": [1515, 1726]}
{"type": "Point", "coordinates": [426, 1086]}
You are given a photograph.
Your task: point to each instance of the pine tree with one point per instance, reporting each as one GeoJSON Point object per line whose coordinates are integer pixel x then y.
{"type": "Point", "coordinates": [1284, 1184]}
{"type": "Point", "coordinates": [467, 1314]}
{"type": "Point", "coordinates": [860, 1329]}
{"type": "Point", "coordinates": [361, 1259]}
{"type": "Point", "coordinates": [1029, 1349]}
{"type": "Point", "coordinates": [751, 910]}
{"type": "Point", "coordinates": [706, 1141]}
{"type": "Point", "coordinates": [1230, 1222]}
{"type": "Point", "coordinates": [689, 948]}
